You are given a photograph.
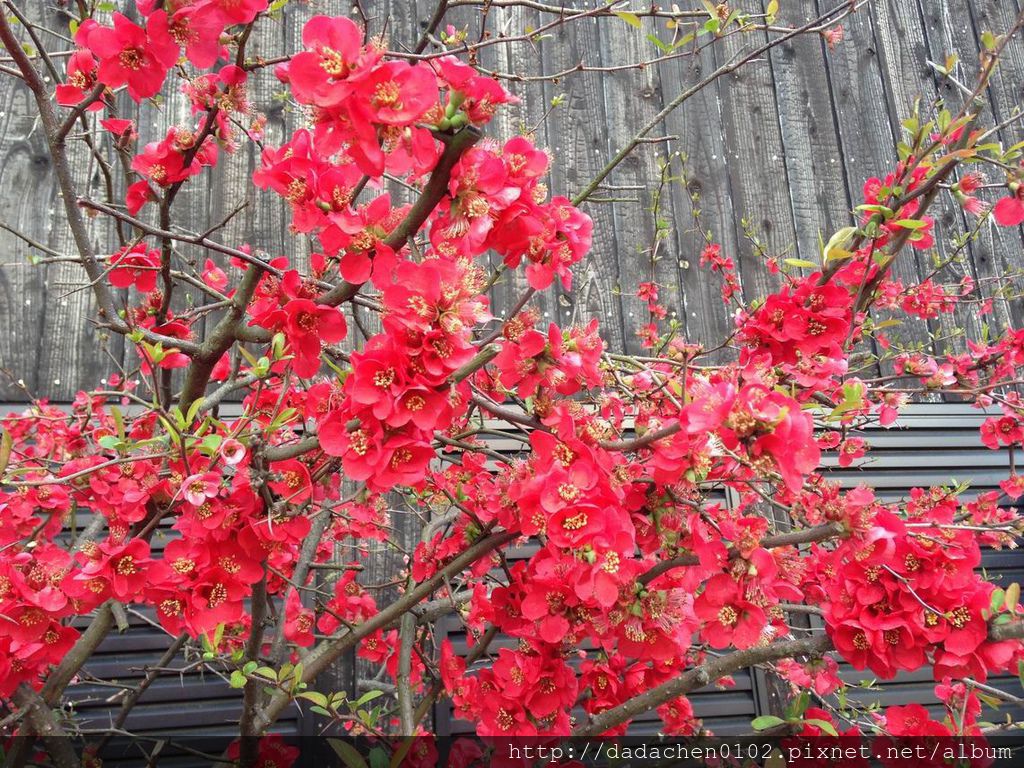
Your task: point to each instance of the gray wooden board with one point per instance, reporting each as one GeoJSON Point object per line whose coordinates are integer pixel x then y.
{"type": "Point", "coordinates": [786, 142]}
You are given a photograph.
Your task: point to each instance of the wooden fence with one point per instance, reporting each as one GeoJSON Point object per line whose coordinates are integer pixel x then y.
{"type": "Point", "coordinates": [776, 153]}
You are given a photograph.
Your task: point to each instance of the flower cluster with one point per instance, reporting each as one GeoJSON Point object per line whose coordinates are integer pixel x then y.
{"type": "Point", "coordinates": [400, 389]}
{"type": "Point", "coordinates": [904, 593]}
{"type": "Point", "coordinates": [608, 469]}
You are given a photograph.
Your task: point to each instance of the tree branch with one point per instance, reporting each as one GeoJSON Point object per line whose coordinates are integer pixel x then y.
{"type": "Point", "coordinates": [219, 340]}
{"type": "Point", "coordinates": [722, 666]}
{"type": "Point", "coordinates": [791, 538]}
{"type": "Point", "coordinates": [40, 721]}
{"type": "Point", "coordinates": [327, 651]}
{"type": "Point", "coordinates": [436, 188]}
{"type": "Point", "coordinates": [700, 676]}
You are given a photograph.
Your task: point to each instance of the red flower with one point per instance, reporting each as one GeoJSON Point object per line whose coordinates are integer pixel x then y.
{"type": "Point", "coordinates": [123, 129]}
{"type": "Point", "coordinates": [308, 324]}
{"type": "Point", "coordinates": [272, 752]}
{"type": "Point", "coordinates": [290, 481]}
{"type": "Point", "coordinates": [130, 55]}
{"type": "Point", "coordinates": [298, 621]}
{"type": "Point", "coordinates": [231, 12]}
{"type": "Point", "coordinates": [1009, 212]}
{"type": "Point", "coordinates": [81, 77]}
{"type": "Point", "coordinates": [728, 617]}
{"type": "Point", "coordinates": [395, 93]}
{"type": "Point", "coordinates": [138, 195]}
{"type": "Point", "coordinates": [481, 96]}
{"type": "Point", "coordinates": [333, 52]}
{"type": "Point", "coordinates": [124, 567]}
{"type": "Point", "coordinates": [138, 266]}
{"type": "Point", "coordinates": [913, 720]}
{"type": "Point", "coordinates": [199, 31]}
{"type": "Point", "coordinates": [163, 162]}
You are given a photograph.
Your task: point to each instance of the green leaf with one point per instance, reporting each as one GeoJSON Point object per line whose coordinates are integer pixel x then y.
{"type": "Point", "coordinates": [115, 413]}
{"type": "Point", "coordinates": [314, 696]}
{"type": "Point", "coordinates": [1012, 597]}
{"type": "Point", "coordinates": [891, 322]}
{"type": "Point", "coordinates": [689, 37]}
{"type": "Point", "coordinates": [349, 754]}
{"type": "Point", "coordinates": [367, 697]}
{"type": "Point", "coordinates": [771, 11]}
{"type": "Point", "coordinates": [764, 722]}
{"type": "Point", "coordinates": [911, 223]}
{"type": "Point", "coordinates": [194, 409]}
{"type": "Point", "coordinates": [824, 725]}
{"type": "Point", "coordinates": [663, 47]}
{"type": "Point", "coordinates": [630, 18]}
{"type": "Point", "coordinates": [853, 399]}
{"type": "Point", "coordinates": [237, 679]}
{"type": "Point", "coordinates": [998, 599]}
{"type": "Point", "coordinates": [6, 445]}
{"type": "Point", "coordinates": [247, 355]}
{"type": "Point", "coordinates": [802, 263]}
{"type": "Point", "coordinates": [799, 705]}
{"type": "Point", "coordinates": [875, 208]}
{"type": "Point", "coordinates": [268, 672]}
{"type": "Point", "coordinates": [110, 442]}
{"type": "Point", "coordinates": [990, 701]}
{"type": "Point", "coordinates": [834, 247]}
{"type": "Point", "coordinates": [379, 758]}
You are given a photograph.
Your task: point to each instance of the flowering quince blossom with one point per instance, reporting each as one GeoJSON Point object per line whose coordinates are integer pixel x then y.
{"type": "Point", "coordinates": [674, 508]}
{"type": "Point", "coordinates": [136, 266]}
{"type": "Point", "coordinates": [128, 54]}
{"type": "Point", "coordinates": [1009, 211]}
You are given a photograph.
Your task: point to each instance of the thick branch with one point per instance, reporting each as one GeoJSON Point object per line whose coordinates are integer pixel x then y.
{"type": "Point", "coordinates": [407, 635]}
{"type": "Point", "coordinates": [317, 660]}
{"type": "Point", "coordinates": [792, 538]}
{"type": "Point", "coordinates": [700, 676]}
{"type": "Point", "coordinates": [722, 666]}
{"type": "Point", "coordinates": [219, 340]}
{"type": "Point", "coordinates": [40, 721]}
{"type": "Point", "coordinates": [79, 654]}
{"type": "Point", "coordinates": [436, 188]}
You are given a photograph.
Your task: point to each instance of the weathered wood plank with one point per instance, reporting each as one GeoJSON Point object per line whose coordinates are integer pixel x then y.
{"type": "Point", "coordinates": [698, 123]}
{"type": "Point", "coordinates": [907, 77]}
{"type": "Point", "coordinates": [633, 97]}
{"type": "Point", "coordinates": [817, 186]}
{"type": "Point", "coordinates": [999, 251]}
{"type": "Point", "coordinates": [948, 30]}
{"type": "Point", "coordinates": [758, 180]}
{"type": "Point", "coordinates": [788, 140]}
{"type": "Point", "coordinates": [579, 152]}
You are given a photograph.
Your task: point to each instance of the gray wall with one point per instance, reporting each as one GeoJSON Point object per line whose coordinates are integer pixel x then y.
{"type": "Point", "coordinates": [779, 150]}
